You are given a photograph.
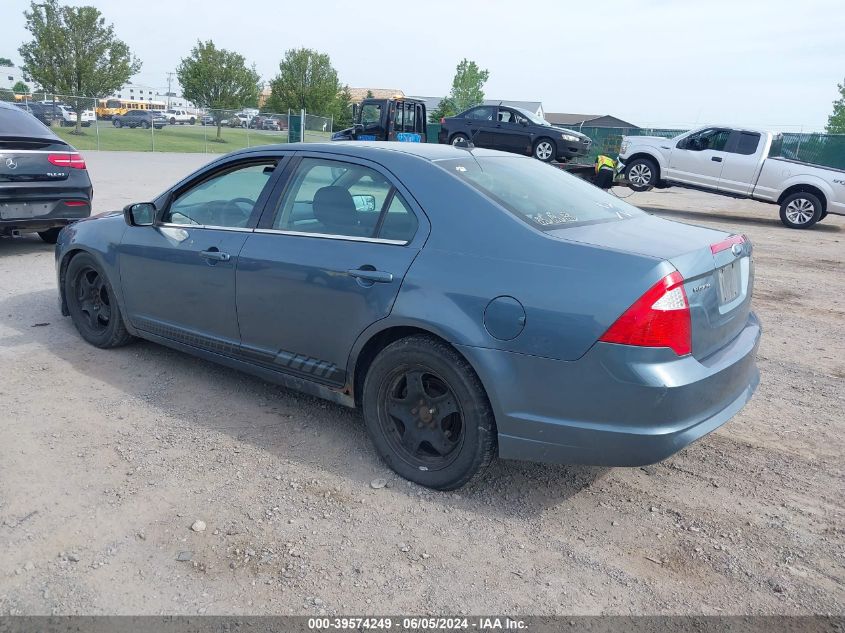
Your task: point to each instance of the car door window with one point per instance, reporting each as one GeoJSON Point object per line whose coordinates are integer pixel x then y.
{"type": "Point", "coordinates": [336, 198]}
{"type": "Point", "coordinates": [484, 113]}
{"type": "Point", "coordinates": [714, 139]}
{"type": "Point", "coordinates": [226, 199]}
{"type": "Point", "coordinates": [506, 116]}
{"type": "Point", "coordinates": [747, 143]}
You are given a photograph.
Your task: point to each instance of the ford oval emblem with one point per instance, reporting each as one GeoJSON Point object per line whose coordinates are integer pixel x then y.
{"type": "Point", "coordinates": [736, 249]}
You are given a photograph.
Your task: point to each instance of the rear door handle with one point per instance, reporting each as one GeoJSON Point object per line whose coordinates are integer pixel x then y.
{"type": "Point", "coordinates": [716, 159]}
{"type": "Point", "coordinates": [375, 276]}
{"type": "Point", "coordinates": [215, 255]}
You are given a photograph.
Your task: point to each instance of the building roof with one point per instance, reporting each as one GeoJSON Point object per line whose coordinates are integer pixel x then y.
{"type": "Point", "coordinates": [359, 94]}
{"type": "Point", "coordinates": [590, 120]}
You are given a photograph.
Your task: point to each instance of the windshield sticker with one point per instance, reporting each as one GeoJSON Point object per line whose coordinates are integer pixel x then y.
{"type": "Point", "coordinates": [549, 218]}
{"type": "Point", "coordinates": [460, 168]}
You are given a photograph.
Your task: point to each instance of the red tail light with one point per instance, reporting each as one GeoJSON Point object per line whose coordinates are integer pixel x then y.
{"type": "Point", "coordinates": [443, 120]}
{"type": "Point", "coordinates": [727, 243]}
{"type": "Point", "coordinates": [660, 318]}
{"type": "Point", "coordinates": [74, 161]}
{"type": "Point", "coordinates": [76, 203]}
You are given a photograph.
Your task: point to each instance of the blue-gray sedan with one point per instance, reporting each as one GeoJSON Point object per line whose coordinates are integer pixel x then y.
{"type": "Point", "coordinates": [473, 303]}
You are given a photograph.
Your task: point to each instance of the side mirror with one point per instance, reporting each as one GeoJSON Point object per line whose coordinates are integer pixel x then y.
{"type": "Point", "coordinates": [364, 202]}
{"type": "Point", "coordinates": [140, 214]}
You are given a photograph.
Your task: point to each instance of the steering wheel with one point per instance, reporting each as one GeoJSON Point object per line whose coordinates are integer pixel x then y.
{"type": "Point", "coordinates": [230, 213]}
{"type": "Point", "coordinates": [248, 201]}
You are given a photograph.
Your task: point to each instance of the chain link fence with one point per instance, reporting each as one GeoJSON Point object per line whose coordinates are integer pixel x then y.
{"type": "Point", "coordinates": [124, 125]}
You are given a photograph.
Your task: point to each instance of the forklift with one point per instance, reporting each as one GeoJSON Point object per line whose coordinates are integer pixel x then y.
{"type": "Point", "coordinates": [398, 119]}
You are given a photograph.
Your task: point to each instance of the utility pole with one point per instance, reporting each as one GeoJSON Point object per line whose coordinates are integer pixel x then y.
{"type": "Point", "coordinates": [169, 79]}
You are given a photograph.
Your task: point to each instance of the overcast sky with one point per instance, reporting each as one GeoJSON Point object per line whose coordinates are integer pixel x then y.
{"type": "Point", "coordinates": [651, 62]}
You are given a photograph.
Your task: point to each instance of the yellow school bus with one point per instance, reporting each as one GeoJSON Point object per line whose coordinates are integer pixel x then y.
{"type": "Point", "coordinates": [108, 108]}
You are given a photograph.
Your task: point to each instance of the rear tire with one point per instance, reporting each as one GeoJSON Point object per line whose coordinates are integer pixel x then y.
{"type": "Point", "coordinates": [641, 174]}
{"type": "Point", "coordinates": [92, 304]}
{"type": "Point", "coordinates": [50, 236]}
{"type": "Point", "coordinates": [192, 120]}
{"type": "Point", "coordinates": [145, 125]}
{"type": "Point", "coordinates": [428, 414]}
{"type": "Point", "coordinates": [172, 121]}
{"type": "Point", "coordinates": [117, 123]}
{"type": "Point", "coordinates": [545, 150]}
{"type": "Point", "coordinates": [459, 138]}
{"type": "Point", "coordinates": [801, 210]}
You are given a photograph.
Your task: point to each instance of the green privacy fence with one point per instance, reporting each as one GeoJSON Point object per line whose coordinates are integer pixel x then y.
{"type": "Point", "coordinates": [827, 150]}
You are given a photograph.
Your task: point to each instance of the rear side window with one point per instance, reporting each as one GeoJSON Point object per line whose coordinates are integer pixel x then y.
{"type": "Point", "coordinates": [542, 196]}
{"type": "Point", "coordinates": [480, 114]}
{"type": "Point", "coordinates": [748, 143]}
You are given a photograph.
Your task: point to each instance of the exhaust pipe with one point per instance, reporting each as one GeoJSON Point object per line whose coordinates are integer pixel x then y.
{"type": "Point", "coordinates": [16, 233]}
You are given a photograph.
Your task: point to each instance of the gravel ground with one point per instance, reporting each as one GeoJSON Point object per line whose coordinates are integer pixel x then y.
{"type": "Point", "coordinates": [108, 458]}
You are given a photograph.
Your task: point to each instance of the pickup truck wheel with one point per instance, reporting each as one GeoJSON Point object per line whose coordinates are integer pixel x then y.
{"type": "Point", "coordinates": [641, 174]}
{"type": "Point", "coordinates": [172, 120]}
{"type": "Point", "coordinates": [192, 120]}
{"type": "Point", "coordinates": [800, 210]}
{"type": "Point", "coordinates": [428, 414]}
{"type": "Point", "coordinates": [545, 150]}
{"type": "Point", "coordinates": [459, 138]}
{"type": "Point", "coordinates": [92, 304]}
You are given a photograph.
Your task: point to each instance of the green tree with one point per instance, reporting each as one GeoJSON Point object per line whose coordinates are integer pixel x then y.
{"type": "Point", "coordinates": [306, 80]}
{"type": "Point", "coordinates": [445, 108]}
{"type": "Point", "coordinates": [5, 62]}
{"type": "Point", "coordinates": [836, 121]}
{"type": "Point", "coordinates": [20, 88]}
{"type": "Point", "coordinates": [217, 79]}
{"type": "Point", "coordinates": [467, 86]}
{"type": "Point", "coordinates": [369, 94]}
{"type": "Point", "coordinates": [74, 52]}
{"type": "Point", "coordinates": [342, 110]}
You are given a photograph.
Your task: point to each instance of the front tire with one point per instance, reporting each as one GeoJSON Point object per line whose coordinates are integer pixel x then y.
{"type": "Point", "coordinates": [192, 120]}
{"type": "Point", "coordinates": [145, 125]}
{"type": "Point", "coordinates": [117, 123]}
{"type": "Point", "coordinates": [545, 150]}
{"type": "Point", "coordinates": [801, 210]}
{"type": "Point", "coordinates": [428, 414]}
{"type": "Point", "coordinates": [50, 236]}
{"type": "Point", "coordinates": [641, 174]}
{"type": "Point", "coordinates": [92, 304]}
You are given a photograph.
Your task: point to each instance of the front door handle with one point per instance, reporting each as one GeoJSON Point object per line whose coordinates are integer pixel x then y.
{"type": "Point", "coordinates": [215, 255]}
{"type": "Point", "coordinates": [716, 159]}
{"type": "Point", "coordinates": [373, 276]}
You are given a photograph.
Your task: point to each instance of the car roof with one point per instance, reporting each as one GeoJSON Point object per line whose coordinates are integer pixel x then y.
{"type": "Point", "coordinates": [374, 149]}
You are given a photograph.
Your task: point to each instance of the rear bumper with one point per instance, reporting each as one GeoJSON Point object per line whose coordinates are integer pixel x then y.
{"type": "Point", "coordinates": [617, 405]}
{"type": "Point", "coordinates": [39, 210]}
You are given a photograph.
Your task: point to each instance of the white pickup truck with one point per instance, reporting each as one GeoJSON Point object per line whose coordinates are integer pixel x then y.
{"type": "Point", "coordinates": [182, 117]}
{"type": "Point", "coordinates": [735, 162]}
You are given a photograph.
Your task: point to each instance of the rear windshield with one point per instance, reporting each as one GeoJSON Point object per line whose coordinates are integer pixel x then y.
{"type": "Point", "coordinates": [541, 195]}
{"type": "Point", "coordinates": [16, 122]}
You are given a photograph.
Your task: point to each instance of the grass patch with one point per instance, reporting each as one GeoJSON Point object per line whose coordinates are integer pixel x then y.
{"type": "Point", "coordinates": [175, 138]}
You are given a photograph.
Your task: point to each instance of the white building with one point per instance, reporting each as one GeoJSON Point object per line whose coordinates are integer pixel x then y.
{"type": "Point", "coordinates": [10, 75]}
{"type": "Point", "coordinates": [141, 92]}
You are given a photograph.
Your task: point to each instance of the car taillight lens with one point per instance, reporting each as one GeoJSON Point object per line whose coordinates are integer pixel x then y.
{"type": "Point", "coordinates": [660, 318]}
{"type": "Point", "coordinates": [74, 161]}
{"type": "Point", "coordinates": [727, 243]}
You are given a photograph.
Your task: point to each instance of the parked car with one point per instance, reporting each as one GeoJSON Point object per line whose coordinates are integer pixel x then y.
{"type": "Point", "coordinates": [513, 130]}
{"type": "Point", "coordinates": [141, 118]}
{"type": "Point", "coordinates": [271, 123]}
{"type": "Point", "coordinates": [66, 116]}
{"type": "Point", "coordinates": [182, 117]}
{"type": "Point", "coordinates": [240, 119]}
{"type": "Point", "coordinates": [738, 162]}
{"type": "Point", "coordinates": [44, 184]}
{"type": "Point", "coordinates": [207, 119]}
{"type": "Point", "coordinates": [38, 110]}
{"type": "Point", "coordinates": [578, 330]}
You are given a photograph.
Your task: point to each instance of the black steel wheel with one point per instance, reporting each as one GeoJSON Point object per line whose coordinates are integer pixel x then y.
{"type": "Point", "coordinates": [92, 304]}
{"type": "Point", "coordinates": [427, 413]}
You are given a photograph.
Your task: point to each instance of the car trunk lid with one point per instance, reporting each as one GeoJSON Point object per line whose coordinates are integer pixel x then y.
{"type": "Point", "coordinates": [32, 159]}
{"type": "Point", "coordinates": [716, 267]}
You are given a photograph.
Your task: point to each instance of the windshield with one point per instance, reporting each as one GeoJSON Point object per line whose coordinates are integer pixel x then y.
{"type": "Point", "coordinates": [536, 120]}
{"type": "Point", "coordinates": [541, 195]}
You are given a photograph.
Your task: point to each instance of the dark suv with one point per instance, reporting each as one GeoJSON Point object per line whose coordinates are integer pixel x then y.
{"type": "Point", "coordinates": [39, 111]}
{"type": "Point", "coordinates": [513, 130]}
{"type": "Point", "coordinates": [43, 181]}
{"type": "Point", "coordinates": [141, 118]}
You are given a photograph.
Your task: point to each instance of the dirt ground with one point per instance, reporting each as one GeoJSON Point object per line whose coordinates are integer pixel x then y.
{"type": "Point", "coordinates": [107, 458]}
